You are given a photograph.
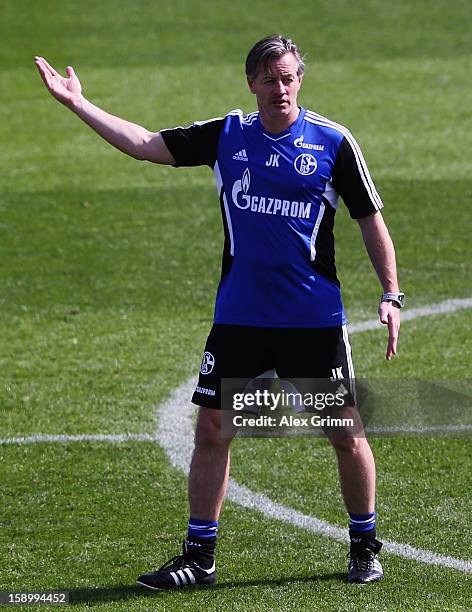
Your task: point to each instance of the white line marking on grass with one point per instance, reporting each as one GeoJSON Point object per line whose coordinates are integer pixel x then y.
{"type": "Point", "coordinates": [130, 437]}
{"type": "Point", "coordinates": [175, 435]}
{"type": "Point", "coordinates": [419, 430]}
{"type": "Point", "coordinates": [445, 307]}
{"type": "Point", "coordinates": [115, 438]}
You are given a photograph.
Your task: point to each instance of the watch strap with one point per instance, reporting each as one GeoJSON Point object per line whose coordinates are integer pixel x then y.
{"type": "Point", "coordinates": [398, 298]}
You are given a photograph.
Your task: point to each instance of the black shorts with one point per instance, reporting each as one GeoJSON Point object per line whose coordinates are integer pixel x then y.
{"type": "Point", "coordinates": [240, 352]}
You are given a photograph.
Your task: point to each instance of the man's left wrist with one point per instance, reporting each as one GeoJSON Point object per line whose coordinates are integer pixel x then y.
{"type": "Point", "coordinates": [397, 298]}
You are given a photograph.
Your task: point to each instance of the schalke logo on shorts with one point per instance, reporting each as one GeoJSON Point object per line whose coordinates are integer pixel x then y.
{"type": "Point", "coordinates": [208, 363]}
{"type": "Point", "coordinates": [305, 164]}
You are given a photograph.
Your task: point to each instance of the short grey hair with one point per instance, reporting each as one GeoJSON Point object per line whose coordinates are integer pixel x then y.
{"type": "Point", "coordinates": [270, 48]}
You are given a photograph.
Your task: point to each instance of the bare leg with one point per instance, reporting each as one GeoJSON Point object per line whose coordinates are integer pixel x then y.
{"type": "Point", "coordinates": [356, 469]}
{"type": "Point", "coordinates": [357, 474]}
{"type": "Point", "coordinates": [209, 469]}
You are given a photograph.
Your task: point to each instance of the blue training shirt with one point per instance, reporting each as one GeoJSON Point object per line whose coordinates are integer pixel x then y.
{"type": "Point", "coordinates": [278, 196]}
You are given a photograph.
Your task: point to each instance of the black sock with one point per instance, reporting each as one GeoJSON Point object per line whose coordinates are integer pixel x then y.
{"type": "Point", "coordinates": [201, 550]}
{"type": "Point", "coordinates": [358, 536]}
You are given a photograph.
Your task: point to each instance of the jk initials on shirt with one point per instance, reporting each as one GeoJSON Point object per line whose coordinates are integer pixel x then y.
{"type": "Point", "coordinates": [337, 373]}
{"type": "Point", "coordinates": [273, 161]}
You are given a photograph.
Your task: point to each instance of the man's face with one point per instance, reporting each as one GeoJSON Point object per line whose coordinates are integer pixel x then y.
{"type": "Point", "coordinates": [276, 91]}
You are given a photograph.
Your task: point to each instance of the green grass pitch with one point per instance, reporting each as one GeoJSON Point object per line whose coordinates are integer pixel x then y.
{"type": "Point", "coordinates": [108, 270]}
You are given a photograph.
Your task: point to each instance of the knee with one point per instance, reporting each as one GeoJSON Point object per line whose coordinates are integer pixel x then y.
{"type": "Point", "coordinates": [208, 431]}
{"type": "Point", "coordinates": [347, 443]}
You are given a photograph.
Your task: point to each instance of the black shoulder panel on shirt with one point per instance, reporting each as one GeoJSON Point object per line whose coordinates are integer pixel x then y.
{"type": "Point", "coordinates": [351, 180]}
{"type": "Point", "coordinates": [195, 145]}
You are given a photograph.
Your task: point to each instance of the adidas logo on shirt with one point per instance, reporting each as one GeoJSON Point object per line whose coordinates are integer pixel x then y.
{"type": "Point", "coordinates": [241, 155]}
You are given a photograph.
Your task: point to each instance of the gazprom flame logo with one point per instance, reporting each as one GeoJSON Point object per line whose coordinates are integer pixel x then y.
{"type": "Point", "coordinates": [242, 185]}
{"type": "Point", "coordinates": [246, 180]}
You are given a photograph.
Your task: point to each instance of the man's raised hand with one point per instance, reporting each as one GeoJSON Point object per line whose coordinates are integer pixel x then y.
{"type": "Point", "coordinates": [66, 90]}
{"type": "Point", "coordinates": [131, 138]}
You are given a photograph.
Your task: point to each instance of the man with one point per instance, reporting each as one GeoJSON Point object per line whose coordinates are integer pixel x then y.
{"type": "Point", "coordinates": [279, 174]}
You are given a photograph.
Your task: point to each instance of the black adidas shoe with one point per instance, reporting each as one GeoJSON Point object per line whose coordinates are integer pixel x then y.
{"type": "Point", "coordinates": [364, 564]}
{"type": "Point", "coordinates": [180, 571]}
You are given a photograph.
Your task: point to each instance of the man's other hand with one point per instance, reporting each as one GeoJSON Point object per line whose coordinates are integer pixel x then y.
{"type": "Point", "coordinates": [389, 314]}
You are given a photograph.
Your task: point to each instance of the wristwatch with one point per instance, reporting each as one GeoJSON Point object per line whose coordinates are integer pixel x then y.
{"type": "Point", "coordinates": [398, 298]}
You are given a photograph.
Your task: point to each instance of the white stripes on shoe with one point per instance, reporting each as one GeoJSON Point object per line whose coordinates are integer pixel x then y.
{"type": "Point", "coordinates": [189, 574]}
{"type": "Point", "coordinates": [183, 577]}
